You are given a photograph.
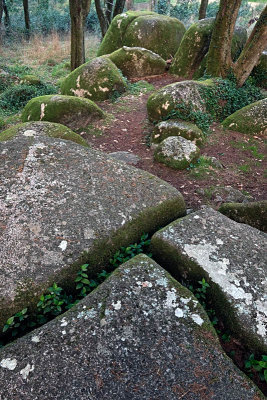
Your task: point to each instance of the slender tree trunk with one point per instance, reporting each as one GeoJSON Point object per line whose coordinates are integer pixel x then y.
{"type": "Point", "coordinates": [119, 7]}
{"type": "Point", "coordinates": [1, 15]}
{"type": "Point", "coordinates": [101, 17]}
{"type": "Point", "coordinates": [129, 5]}
{"type": "Point", "coordinates": [219, 60]}
{"type": "Point", "coordinates": [79, 10]}
{"type": "Point", "coordinates": [252, 51]}
{"type": "Point", "coordinates": [26, 18]}
{"type": "Point", "coordinates": [203, 9]}
{"type": "Point", "coordinates": [109, 8]}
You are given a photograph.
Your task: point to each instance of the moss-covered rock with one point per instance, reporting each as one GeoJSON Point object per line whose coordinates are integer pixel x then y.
{"type": "Point", "coordinates": [188, 60]}
{"type": "Point", "coordinates": [176, 127]}
{"type": "Point", "coordinates": [113, 39]}
{"type": "Point", "coordinates": [30, 80]}
{"type": "Point", "coordinates": [136, 62]}
{"type": "Point", "coordinates": [260, 71]}
{"type": "Point", "coordinates": [42, 128]}
{"type": "Point", "coordinates": [176, 152]}
{"type": "Point", "coordinates": [250, 119]}
{"type": "Point", "coordinates": [95, 80]}
{"type": "Point", "coordinates": [158, 33]}
{"type": "Point", "coordinates": [253, 214]}
{"type": "Point", "coordinates": [71, 111]}
{"type": "Point", "coordinates": [163, 102]}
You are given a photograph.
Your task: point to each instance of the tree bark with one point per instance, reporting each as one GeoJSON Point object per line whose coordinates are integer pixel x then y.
{"type": "Point", "coordinates": [119, 7]}
{"type": "Point", "coordinates": [79, 10]}
{"type": "Point", "coordinates": [203, 9]}
{"type": "Point", "coordinates": [101, 18]}
{"type": "Point", "coordinates": [252, 51]}
{"type": "Point", "coordinates": [105, 17]}
{"type": "Point", "coordinates": [1, 15]}
{"type": "Point", "coordinates": [219, 62]}
{"type": "Point", "coordinates": [26, 18]}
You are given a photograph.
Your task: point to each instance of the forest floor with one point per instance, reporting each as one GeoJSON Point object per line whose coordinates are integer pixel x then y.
{"type": "Point", "coordinates": [127, 129]}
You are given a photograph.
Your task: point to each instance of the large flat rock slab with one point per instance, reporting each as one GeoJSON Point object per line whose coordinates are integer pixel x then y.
{"type": "Point", "coordinates": [58, 200]}
{"type": "Point", "coordinates": [140, 335]}
{"type": "Point", "coordinates": [233, 259]}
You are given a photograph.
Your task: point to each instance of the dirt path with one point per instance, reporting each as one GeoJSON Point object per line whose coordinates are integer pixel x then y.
{"type": "Point", "coordinates": [240, 155]}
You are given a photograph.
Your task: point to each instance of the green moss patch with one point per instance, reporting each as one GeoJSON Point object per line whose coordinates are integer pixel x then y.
{"type": "Point", "coordinates": [71, 111]}
{"type": "Point", "coordinates": [250, 120]}
{"type": "Point", "coordinates": [254, 213]}
{"type": "Point", "coordinates": [113, 39]}
{"type": "Point", "coordinates": [96, 80]}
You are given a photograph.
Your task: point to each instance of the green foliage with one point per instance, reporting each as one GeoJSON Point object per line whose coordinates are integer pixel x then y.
{"type": "Point", "coordinates": [56, 301]}
{"type": "Point", "coordinates": [186, 113]}
{"type": "Point", "coordinates": [224, 97]}
{"type": "Point", "coordinates": [258, 366]}
{"type": "Point", "coordinates": [16, 97]}
{"type": "Point", "coordinates": [140, 87]}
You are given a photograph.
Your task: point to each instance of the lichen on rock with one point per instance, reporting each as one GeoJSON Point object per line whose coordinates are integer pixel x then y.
{"type": "Point", "coordinates": [136, 62]}
{"type": "Point", "coordinates": [176, 152]}
{"type": "Point", "coordinates": [95, 80]}
{"type": "Point", "coordinates": [42, 128]}
{"type": "Point", "coordinates": [174, 127]}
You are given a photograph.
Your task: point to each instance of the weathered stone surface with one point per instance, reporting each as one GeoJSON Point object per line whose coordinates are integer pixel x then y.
{"type": "Point", "coordinates": [250, 119]}
{"type": "Point", "coordinates": [58, 200]}
{"type": "Point", "coordinates": [42, 128]}
{"type": "Point", "coordinates": [136, 62]}
{"type": "Point", "coordinates": [195, 44]}
{"type": "Point", "coordinates": [95, 80]}
{"type": "Point", "coordinates": [73, 112]}
{"type": "Point", "coordinates": [232, 257]}
{"type": "Point", "coordinates": [176, 152]}
{"type": "Point", "coordinates": [165, 100]}
{"type": "Point", "coordinates": [155, 32]}
{"type": "Point", "coordinates": [226, 194]}
{"type": "Point", "coordinates": [140, 335]}
{"type": "Point", "coordinates": [254, 213]}
{"type": "Point", "coordinates": [125, 156]}
{"type": "Point", "coordinates": [176, 127]}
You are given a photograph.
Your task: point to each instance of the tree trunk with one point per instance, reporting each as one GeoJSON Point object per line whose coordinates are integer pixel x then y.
{"type": "Point", "coordinates": [101, 17]}
{"type": "Point", "coordinates": [203, 9]}
{"type": "Point", "coordinates": [119, 7]}
{"type": "Point", "coordinates": [26, 18]}
{"type": "Point", "coordinates": [79, 10]}
{"type": "Point", "coordinates": [219, 60]}
{"type": "Point", "coordinates": [109, 8]}
{"type": "Point", "coordinates": [252, 51]}
{"type": "Point", "coordinates": [129, 5]}
{"type": "Point", "coordinates": [1, 15]}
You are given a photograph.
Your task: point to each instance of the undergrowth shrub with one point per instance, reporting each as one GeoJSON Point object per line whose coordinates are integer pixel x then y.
{"type": "Point", "coordinates": [16, 97]}
{"type": "Point", "coordinates": [225, 97]}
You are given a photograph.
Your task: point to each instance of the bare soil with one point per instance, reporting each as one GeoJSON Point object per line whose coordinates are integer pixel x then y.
{"type": "Point", "coordinates": [242, 156]}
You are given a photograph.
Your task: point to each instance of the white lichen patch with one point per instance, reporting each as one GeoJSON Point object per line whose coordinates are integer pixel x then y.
{"type": "Point", "coordinates": [30, 133]}
{"type": "Point", "coordinates": [25, 371]}
{"type": "Point", "coordinates": [35, 339]}
{"type": "Point", "coordinates": [63, 245]}
{"type": "Point", "coordinates": [87, 314]}
{"type": "Point", "coordinates": [64, 322]}
{"type": "Point", "coordinates": [103, 89]}
{"type": "Point", "coordinates": [81, 92]}
{"type": "Point", "coordinates": [8, 363]}
{"type": "Point", "coordinates": [117, 306]}
{"type": "Point", "coordinates": [197, 319]}
{"type": "Point", "coordinates": [42, 113]}
{"type": "Point", "coordinates": [166, 105]}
